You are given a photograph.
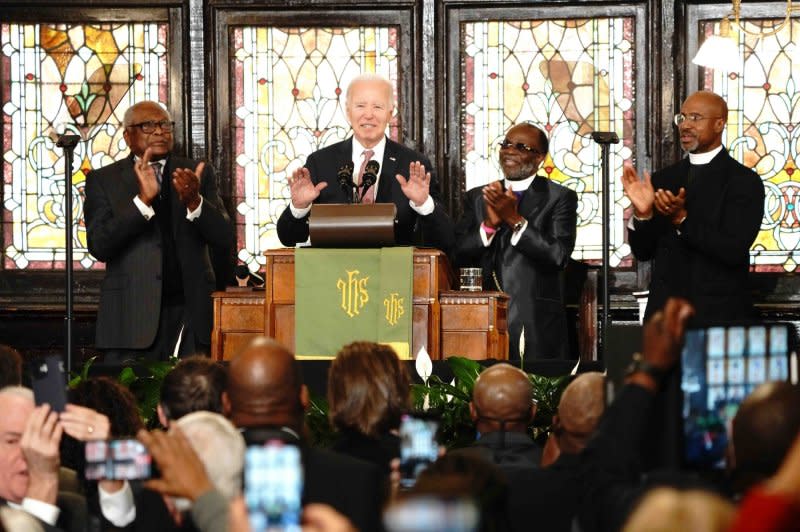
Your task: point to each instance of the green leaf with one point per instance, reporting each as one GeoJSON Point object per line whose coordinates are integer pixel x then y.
{"type": "Point", "coordinates": [127, 376]}
{"type": "Point", "coordinates": [465, 370]}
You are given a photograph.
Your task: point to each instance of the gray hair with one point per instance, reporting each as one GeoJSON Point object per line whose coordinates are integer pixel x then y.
{"type": "Point", "coordinates": [127, 118]}
{"type": "Point", "coordinates": [220, 447]}
{"type": "Point", "coordinates": [370, 76]}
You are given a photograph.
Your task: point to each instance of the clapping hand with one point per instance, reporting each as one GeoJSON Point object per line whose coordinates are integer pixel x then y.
{"type": "Point", "coordinates": [302, 189]}
{"type": "Point", "coordinates": [639, 191]}
{"type": "Point", "coordinates": [187, 185]}
{"type": "Point", "coordinates": [146, 176]}
{"type": "Point", "coordinates": [417, 187]}
{"type": "Point", "coordinates": [673, 206]}
{"type": "Point", "coordinates": [502, 202]}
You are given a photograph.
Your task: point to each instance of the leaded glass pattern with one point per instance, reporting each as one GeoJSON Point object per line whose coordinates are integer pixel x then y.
{"type": "Point", "coordinates": [288, 90]}
{"type": "Point", "coordinates": [75, 78]}
{"type": "Point", "coordinates": [763, 133]}
{"type": "Point", "coordinates": [569, 77]}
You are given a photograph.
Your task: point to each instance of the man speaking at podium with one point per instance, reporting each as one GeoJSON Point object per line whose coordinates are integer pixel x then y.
{"type": "Point", "coordinates": [382, 170]}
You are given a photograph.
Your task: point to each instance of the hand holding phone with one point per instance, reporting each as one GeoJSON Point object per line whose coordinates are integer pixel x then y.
{"type": "Point", "coordinates": [418, 447]}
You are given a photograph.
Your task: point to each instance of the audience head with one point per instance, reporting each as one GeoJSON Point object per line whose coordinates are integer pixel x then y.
{"type": "Point", "coordinates": [579, 411]}
{"type": "Point", "coordinates": [705, 114]}
{"type": "Point", "coordinates": [16, 404]}
{"type": "Point", "coordinates": [112, 399]}
{"type": "Point", "coordinates": [369, 105]}
{"type": "Point", "coordinates": [265, 386]}
{"type": "Point", "coordinates": [467, 475]}
{"type": "Point", "coordinates": [502, 399]}
{"type": "Point", "coordinates": [764, 429]}
{"type": "Point", "coordinates": [195, 383]}
{"type": "Point", "coordinates": [368, 389]}
{"type": "Point", "coordinates": [219, 446]}
{"type": "Point", "coordinates": [141, 116]}
{"type": "Point", "coordinates": [527, 147]}
{"type": "Point", "coordinates": [670, 510]}
{"type": "Point", "coordinates": [10, 366]}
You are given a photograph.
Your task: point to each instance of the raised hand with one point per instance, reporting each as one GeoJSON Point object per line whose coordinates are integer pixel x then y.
{"type": "Point", "coordinates": [639, 191]}
{"type": "Point", "coordinates": [85, 424]}
{"type": "Point", "coordinates": [662, 336]}
{"type": "Point", "coordinates": [303, 190]}
{"type": "Point", "coordinates": [492, 219]}
{"type": "Point", "coordinates": [146, 176]}
{"type": "Point", "coordinates": [671, 205]}
{"type": "Point", "coordinates": [40, 445]}
{"type": "Point", "coordinates": [187, 185]}
{"type": "Point", "coordinates": [417, 188]}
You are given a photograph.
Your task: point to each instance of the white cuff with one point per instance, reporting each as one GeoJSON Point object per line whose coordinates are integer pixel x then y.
{"type": "Point", "coordinates": [118, 507]}
{"type": "Point", "coordinates": [146, 210]}
{"type": "Point", "coordinates": [427, 207]}
{"type": "Point", "coordinates": [299, 213]}
{"type": "Point", "coordinates": [41, 510]}
{"type": "Point", "coordinates": [191, 215]}
{"type": "Point", "coordinates": [516, 235]}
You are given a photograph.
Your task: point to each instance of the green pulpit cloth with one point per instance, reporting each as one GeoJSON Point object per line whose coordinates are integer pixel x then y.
{"type": "Point", "coordinates": [344, 295]}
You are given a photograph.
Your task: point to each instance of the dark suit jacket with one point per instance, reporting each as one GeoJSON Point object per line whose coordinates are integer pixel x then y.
{"type": "Point", "coordinates": [118, 234]}
{"type": "Point", "coordinates": [353, 487]}
{"type": "Point", "coordinates": [436, 228]}
{"type": "Point", "coordinates": [707, 260]}
{"type": "Point", "coordinates": [530, 272]}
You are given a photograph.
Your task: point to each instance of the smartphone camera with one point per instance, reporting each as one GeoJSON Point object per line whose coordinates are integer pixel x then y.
{"type": "Point", "coordinates": [49, 382]}
{"type": "Point", "coordinates": [418, 447]}
{"type": "Point", "coordinates": [273, 487]}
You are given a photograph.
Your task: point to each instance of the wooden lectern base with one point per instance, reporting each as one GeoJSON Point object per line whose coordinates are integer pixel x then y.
{"type": "Point", "coordinates": [446, 323]}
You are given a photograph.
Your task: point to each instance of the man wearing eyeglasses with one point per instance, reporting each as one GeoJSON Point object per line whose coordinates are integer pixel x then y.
{"type": "Point", "coordinates": [152, 218]}
{"type": "Point", "coordinates": [521, 232]}
{"type": "Point", "coordinates": [697, 219]}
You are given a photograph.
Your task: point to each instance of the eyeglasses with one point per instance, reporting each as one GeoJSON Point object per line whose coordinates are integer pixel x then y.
{"type": "Point", "coordinates": [519, 146]}
{"type": "Point", "coordinates": [150, 126]}
{"type": "Point", "coordinates": [692, 118]}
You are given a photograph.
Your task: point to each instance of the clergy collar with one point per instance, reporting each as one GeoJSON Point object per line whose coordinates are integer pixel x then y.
{"type": "Point", "coordinates": [704, 158]}
{"type": "Point", "coordinates": [520, 185]}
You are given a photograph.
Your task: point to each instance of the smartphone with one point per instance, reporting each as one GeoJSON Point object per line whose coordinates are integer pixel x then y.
{"type": "Point", "coordinates": [49, 382]}
{"type": "Point", "coordinates": [422, 514]}
{"type": "Point", "coordinates": [418, 446]}
{"type": "Point", "coordinates": [720, 366]}
{"type": "Point", "coordinates": [117, 460]}
{"type": "Point", "coordinates": [273, 487]}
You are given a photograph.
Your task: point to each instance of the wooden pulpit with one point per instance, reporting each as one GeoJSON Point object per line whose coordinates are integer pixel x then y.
{"type": "Point", "coordinates": [445, 322]}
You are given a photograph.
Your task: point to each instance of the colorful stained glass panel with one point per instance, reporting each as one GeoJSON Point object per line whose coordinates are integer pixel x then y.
{"type": "Point", "coordinates": [66, 78]}
{"type": "Point", "coordinates": [288, 90]}
{"type": "Point", "coordinates": [569, 77]}
{"type": "Point", "coordinates": [763, 133]}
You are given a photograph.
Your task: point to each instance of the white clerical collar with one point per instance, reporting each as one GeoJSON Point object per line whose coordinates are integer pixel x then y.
{"type": "Point", "coordinates": [377, 155]}
{"type": "Point", "coordinates": [520, 185]}
{"type": "Point", "coordinates": [704, 158]}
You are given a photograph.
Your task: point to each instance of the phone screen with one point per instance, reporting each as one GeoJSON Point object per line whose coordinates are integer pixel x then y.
{"type": "Point", "coordinates": [721, 365]}
{"type": "Point", "coordinates": [418, 447]}
{"type": "Point", "coordinates": [49, 382]}
{"type": "Point", "coordinates": [423, 514]}
{"type": "Point", "coordinates": [273, 487]}
{"type": "Point", "coordinates": [117, 460]}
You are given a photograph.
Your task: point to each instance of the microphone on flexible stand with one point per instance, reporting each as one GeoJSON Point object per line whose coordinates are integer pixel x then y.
{"type": "Point", "coordinates": [369, 178]}
{"type": "Point", "coordinates": [345, 179]}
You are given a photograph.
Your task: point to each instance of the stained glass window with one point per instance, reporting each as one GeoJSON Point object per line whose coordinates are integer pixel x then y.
{"type": "Point", "coordinates": [763, 133]}
{"type": "Point", "coordinates": [569, 77]}
{"type": "Point", "coordinates": [72, 78]}
{"type": "Point", "coordinates": [288, 92]}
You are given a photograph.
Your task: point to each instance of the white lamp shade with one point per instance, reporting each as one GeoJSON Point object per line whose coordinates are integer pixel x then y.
{"type": "Point", "coordinates": [719, 53]}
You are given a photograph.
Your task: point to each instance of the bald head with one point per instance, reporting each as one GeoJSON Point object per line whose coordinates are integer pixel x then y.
{"type": "Point", "coordinates": [582, 404]}
{"type": "Point", "coordinates": [711, 101]}
{"type": "Point", "coordinates": [764, 428]}
{"type": "Point", "coordinates": [265, 386]}
{"type": "Point", "coordinates": [502, 393]}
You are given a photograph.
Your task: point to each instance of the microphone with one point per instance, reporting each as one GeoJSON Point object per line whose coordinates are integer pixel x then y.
{"type": "Point", "coordinates": [370, 177]}
{"type": "Point", "coordinates": [345, 178]}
